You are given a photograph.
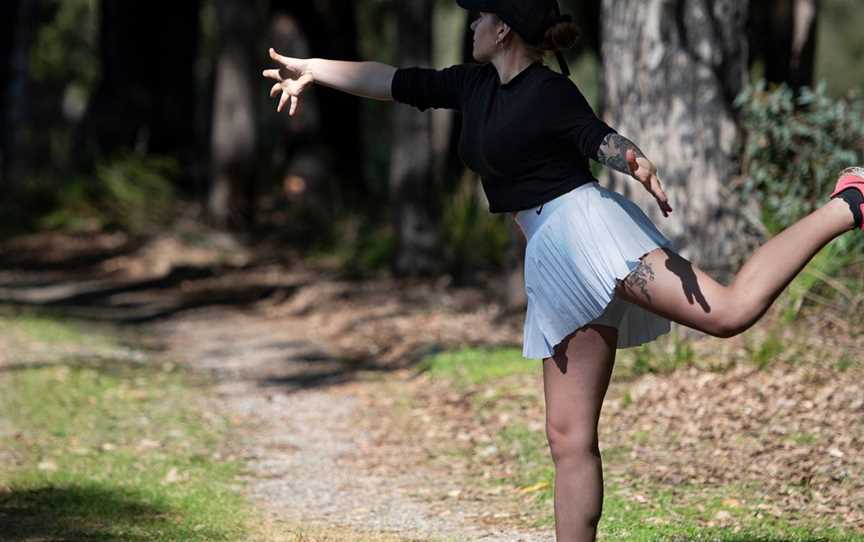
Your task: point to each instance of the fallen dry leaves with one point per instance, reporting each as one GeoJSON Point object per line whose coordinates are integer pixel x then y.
{"type": "Point", "coordinates": [793, 432]}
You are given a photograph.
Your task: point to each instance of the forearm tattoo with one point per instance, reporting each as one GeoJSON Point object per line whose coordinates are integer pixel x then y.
{"type": "Point", "coordinates": [640, 278]}
{"type": "Point", "coordinates": [613, 152]}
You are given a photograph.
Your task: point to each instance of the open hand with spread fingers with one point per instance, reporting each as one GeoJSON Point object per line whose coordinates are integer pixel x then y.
{"type": "Point", "coordinates": [292, 77]}
{"type": "Point", "coordinates": [644, 171]}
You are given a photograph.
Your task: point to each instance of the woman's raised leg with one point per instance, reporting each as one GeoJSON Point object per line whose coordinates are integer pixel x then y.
{"type": "Point", "coordinates": [575, 382]}
{"type": "Point", "coordinates": [669, 285]}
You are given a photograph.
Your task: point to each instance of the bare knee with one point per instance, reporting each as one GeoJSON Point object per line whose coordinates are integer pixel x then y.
{"type": "Point", "coordinates": [572, 446]}
{"type": "Point", "coordinates": [732, 320]}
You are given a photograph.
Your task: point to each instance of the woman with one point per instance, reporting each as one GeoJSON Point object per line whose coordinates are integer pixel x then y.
{"type": "Point", "coordinates": [598, 273]}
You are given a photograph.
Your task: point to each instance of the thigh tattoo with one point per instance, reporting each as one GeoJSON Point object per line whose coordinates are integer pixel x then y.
{"type": "Point", "coordinates": [639, 278]}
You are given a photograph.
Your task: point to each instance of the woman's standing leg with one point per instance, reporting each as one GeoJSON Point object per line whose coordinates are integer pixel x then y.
{"type": "Point", "coordinates": [575, 382]}
{"type": "Point", "coordinates": [669, 285]}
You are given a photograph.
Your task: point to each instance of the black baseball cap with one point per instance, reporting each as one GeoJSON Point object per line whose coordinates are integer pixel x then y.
{"type": "Point", "coordinates": [528, 18]}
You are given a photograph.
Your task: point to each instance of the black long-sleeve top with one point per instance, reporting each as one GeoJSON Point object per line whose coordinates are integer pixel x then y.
{"type": "Point", "coordinates": [529, 139]}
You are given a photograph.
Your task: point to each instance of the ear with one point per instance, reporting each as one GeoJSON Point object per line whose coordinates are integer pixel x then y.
{"type": "Point", "coordinates": [503, 29]}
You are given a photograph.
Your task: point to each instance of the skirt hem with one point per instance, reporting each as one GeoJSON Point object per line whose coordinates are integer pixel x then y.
{"type": "Point", "coordinates": [527, 353]}
{"type": "Point", "coordinates": [573, 266]}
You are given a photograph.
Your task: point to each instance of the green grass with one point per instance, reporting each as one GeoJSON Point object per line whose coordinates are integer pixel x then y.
{"type": "Point", "coordinates": [472, 366]}
{"type": "Point", "coordinates": [51, 334]}
{"type": "Point", "coordinates": [113, 451]}
{"type": "Point", "coordinates": [103, 449]}
{"type": "Point", "coordinates": [109, 450]}
{"type": "Point", "coordinates": [823, 278]}
{"type": "Point", "coordinates": [39, 327]}
{"type": "Point", "coordinates": [663, 356]}
{"type": "Point", "coordinates": [765, 351]}
{"type": "Point", "coordinates": [476, 366]}
{"type": "Point", "coordinates": [660, 512]}
{"type": "Point", "coordinates": [664, 514]}
{"type": "Point", "coordinates": [45, 330]}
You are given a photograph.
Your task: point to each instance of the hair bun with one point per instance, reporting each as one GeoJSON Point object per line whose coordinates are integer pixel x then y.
{"type": "Point", "coordinates": [563, 34]}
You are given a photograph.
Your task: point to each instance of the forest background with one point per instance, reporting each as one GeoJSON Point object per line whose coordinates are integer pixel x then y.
{"type": "Point", "coordinates": [161, 221]}
{"type": "Point", "coordinates": [133, 116]}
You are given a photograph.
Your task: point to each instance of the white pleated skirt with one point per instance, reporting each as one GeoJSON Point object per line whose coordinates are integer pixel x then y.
{"type": "Point", "coordinates": [579, 245]}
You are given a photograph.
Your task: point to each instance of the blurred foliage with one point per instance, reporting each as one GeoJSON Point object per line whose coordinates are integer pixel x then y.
{"type": "Point", "coordinates": [65, 70]}
{"type": "Point", "coordinates": [585, 71]}
{"type": "Point", "coordinates": [467, 367]}
{"type": "Point", "coordinates": [804, 143]}
{"type": "Point", "coordinates": [65, 49]}
{"type": "Point", "coordinates": [358, 248]}
{"type": "Point", "coordinates": [834, 280]}
{"type": "Point", "coordinates": [840, 46]}
{"type": "Point", "coordinates": [472, 237]}
{"type": "Point", "coordinates": [131, 192]}
{"type": "Point", "coordinates": [376, 25]}
{"type": "Point", "coordinates": [377, 119]}
{"type": "Point", "coordinates": [796, 147]}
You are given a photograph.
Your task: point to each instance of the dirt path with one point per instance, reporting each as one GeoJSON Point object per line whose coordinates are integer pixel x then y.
{"type": "Point", "coordinates": [295, 353]}
{"type": "Point", "coordinates": [312, 455]}
{"type": "Point", "coordinates": [306, 365]}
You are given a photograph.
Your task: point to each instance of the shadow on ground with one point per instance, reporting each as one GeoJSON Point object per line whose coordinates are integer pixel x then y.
{"type": "Point", "coordinates": [175, 297]}
{"type": "Point", "coordinates": [85, 513]}
{"type": "Point", "coordinates": [66, 253]}
{"type": "Point", "coordinates": [69, 277]}
{"type": "Point", "coordinates": [88, 276]}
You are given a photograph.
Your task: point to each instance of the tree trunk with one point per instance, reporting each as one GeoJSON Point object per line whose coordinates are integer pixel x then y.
{"type": "Point", "coordinates": [783, 37]}
{"type": "Point", "coordinates": [804, 42]}
{"type": "Point", "coordinates": [18, 159]}
{"type": "Point", "coordinates": [8, 22]}
{"type": "Point", "coordinates": [321, 150]}
{"type": "Point", "coordinates": [341, 112]}
{"type": "Point", "coordinates": [230, 204]}
{"type": "Point", "coordinates": [414, 197]}
{"type": "Point", "coordinates": [299, 153]}
{"type": "Point", "coordinates": [118, 112]}
{"type": "Point", "coordinates": [672, 69]}
{"type": "Point", "coordinates": [173, 84]}
{"type": "Point", "coordinates": [453, 166]}
{"type": "Point", "coordinates": [146, 98]}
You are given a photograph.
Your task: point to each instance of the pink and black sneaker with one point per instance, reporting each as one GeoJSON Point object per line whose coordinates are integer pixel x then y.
{"type": "Point", "coordinates": [850, 188]}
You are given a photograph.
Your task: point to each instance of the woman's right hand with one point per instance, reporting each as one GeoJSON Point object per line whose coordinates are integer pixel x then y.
{"type": "Point", "coordinates": [292, 77]}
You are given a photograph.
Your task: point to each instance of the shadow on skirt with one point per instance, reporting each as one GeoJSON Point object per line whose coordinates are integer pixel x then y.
{"type": "Point", "coordinates": [579, 246]}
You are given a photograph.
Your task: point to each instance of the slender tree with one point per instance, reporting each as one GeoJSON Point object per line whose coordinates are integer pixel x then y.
{"type": "Point", "coordinates": [173, 114]}
{"type": "Point", "coordinates": [783, 39]}
{"type": "Point", "coordinates": [17, 146]}
{"type": "Point", "coordinates": [672, 69]}
{"type": "Point", "coordinates": [413, 196]}
{"type": "Point", "coordinates": [323, 146]}
{"type": "Point", "coordinates": [146, 98]}
{"type": "Point", "coordinates": [233, 145]}
{"type": "Point", "coordinates": [454, 167]}
{"type": "Point", "coordinates": [331, 28]}
{"type": "Point", "coordinates": [8, 22]}
{"type": "Point", "coordinates": [297, 141]}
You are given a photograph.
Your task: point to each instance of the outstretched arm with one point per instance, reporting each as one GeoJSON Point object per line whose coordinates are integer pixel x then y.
{"type": "Point", "coordinates": [619, 153]}
{"type": "Point", "coordinates": [366, 79]}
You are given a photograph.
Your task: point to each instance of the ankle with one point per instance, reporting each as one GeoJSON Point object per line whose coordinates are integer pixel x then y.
{"type": "Point", "coordinates": [842, 212]}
